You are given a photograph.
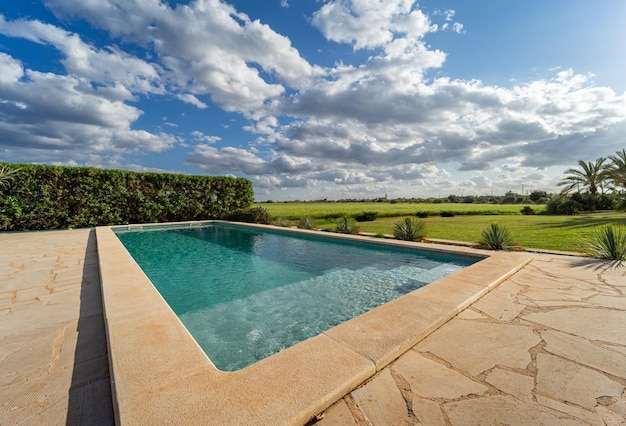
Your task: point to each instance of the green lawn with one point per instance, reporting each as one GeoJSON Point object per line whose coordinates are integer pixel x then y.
{"type": "Point", "coordinates": [295, 211]}
{"type": "Point", "coordinates": [566, 233]}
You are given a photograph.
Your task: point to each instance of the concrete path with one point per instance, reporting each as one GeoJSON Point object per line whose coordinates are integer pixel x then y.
{"type": "Point", "coordinates": [53, 355]}
{"type": "Point", "coordinates": [546, 347]}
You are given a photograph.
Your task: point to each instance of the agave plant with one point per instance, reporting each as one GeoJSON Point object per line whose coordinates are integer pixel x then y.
{"type": "Point", "coordinates": [306, 223]}
{"type": "Point", "coordinates": [282, 222]}
{"type": "Point", "coordinates": [346, 226]}
{"type": "Point", "coordinates": [609, 242]}
{"type": "Point", "coordinates": [409, 230]}
{"type": "Point", "coordinates": [496, 237]}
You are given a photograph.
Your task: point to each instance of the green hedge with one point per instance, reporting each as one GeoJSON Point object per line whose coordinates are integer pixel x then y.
{"type": "Point", "coordinates": [52, 197]}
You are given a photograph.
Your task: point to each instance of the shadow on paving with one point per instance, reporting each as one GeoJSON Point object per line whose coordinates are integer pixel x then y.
{"type": "Point", "coordinates": [90, 400]}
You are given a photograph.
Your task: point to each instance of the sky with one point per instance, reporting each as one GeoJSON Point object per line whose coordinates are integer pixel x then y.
{"type": "Point", "coordinates": [318, 99]}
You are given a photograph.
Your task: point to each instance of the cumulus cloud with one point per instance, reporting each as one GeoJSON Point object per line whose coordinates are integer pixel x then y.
{"type": "Point", "coordinates": [199, 136]}
{"type": "Point", "coordinates": [371, 23]}
{"type": "Point", "coordinates": [191, 99]}
{"type": "Point", "coordinates": [208, 47]}
{"type": "Point", "coordinates": [382, 118]}
{"type": "Point", "coordinates": [45, 111]}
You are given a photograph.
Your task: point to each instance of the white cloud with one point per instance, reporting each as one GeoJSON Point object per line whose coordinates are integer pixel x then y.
{"type": "Point", "coordinates": [390, 120]}
{"type": "Point", "coordinates": [45, 111]}
{"type": "Point", "coordinates": [208, 47]}
{"type": "Point", "coordinates": [109, 66]}
{"type": "Point", "coordinates": [369, 24]}
{"type": "Point", "coordinates": [199, 136]}
{"type": "Point", "coordinates": [191, 99]}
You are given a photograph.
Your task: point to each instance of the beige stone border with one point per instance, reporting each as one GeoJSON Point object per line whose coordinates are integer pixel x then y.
{"type": "Point", "coordinates": [159, 374]}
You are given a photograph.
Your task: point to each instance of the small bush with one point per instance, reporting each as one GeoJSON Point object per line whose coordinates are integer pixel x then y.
{"type": "Point", "coordinates": [281, 221]}
{"type": "Point", "coordinates": [496, 237]}
{"type": "Point", "coordinates": [422, 215]}
{"type": "Point", "coordinates": [253, 215]}
{"type": "Point", "coordinates": [565, 206]}
{"type": "Point", "coordinates": [379, 235]}
{"type": "Point", "coordinates": [446, 213]}
{"type": "Point", "coordinates": [366, 216]}
{"type": "Point", "coordinates": [609, 242]}
{"type": "Point", "coordinates": [409, 230]}
{"type": "Point", "coordinates": [306, 223]}
{"type": "Point", "coordinates": [527, 211]}
{"type": "Point", "coordinates": [346, 226]}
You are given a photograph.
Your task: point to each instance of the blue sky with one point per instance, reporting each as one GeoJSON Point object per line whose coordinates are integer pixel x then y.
{"type": "Point", "coordinates": [318, 99]}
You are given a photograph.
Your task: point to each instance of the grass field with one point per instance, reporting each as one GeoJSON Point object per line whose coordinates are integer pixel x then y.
{"type": "Point", "coordinates": [295, 211]}
{"type": "Point", "coordinates": [565, 233]}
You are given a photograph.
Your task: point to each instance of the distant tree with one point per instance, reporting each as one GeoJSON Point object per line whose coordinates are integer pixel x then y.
{"type": "Point", "coordinates": [536, 195]}
{"type": "Point", "coordinates": [589, 175]}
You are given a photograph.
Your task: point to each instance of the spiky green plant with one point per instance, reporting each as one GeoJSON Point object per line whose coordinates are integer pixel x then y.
{"type": "Point", "coordinates": [346, 226]}
{"type": "Point", "coordinates": [609, 242]}
{"type": "Point", "coordinates": [496, 237]}
{"type": "Point", "coordinates": [409, 229]}
{"type": "Point", "coordinates": [306, 222]}
{"type": "Point", "coordinates": [281, 221]}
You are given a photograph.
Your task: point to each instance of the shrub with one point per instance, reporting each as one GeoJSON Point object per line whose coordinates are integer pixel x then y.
{"type": "Point", "coordinates": [409, 230]}
{"type": "Point", "coordinates": [422, 215]}
{"type": "Point", "coordinates": [562, 205]}
{"type": "Point", "coordinates": [527, 210]}
{"type": "Point", "coordinates": [446, 213]}
{"type": "Point", "coordinates": [496, 237]}
{"type": "Point", "coordinates": [306, 223]}
{"type": "Point", "coordinates": [49, 197]}
{"type": "Point", "coordinates": [366, 216]}
{"type": "Point", "coordinates": [609, 242]}
{"type": "Point", "coordinates": [281, 221]}
{"type": "Point", "coordinates": [253, 215]}
{"type": "Point", "coordinates": [346, 226]}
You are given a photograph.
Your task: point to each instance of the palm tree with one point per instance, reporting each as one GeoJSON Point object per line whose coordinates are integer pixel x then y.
{"type": "Point", "coordinates": [591, 175]}
{"type": "Point", "coordinates": [618, 168]}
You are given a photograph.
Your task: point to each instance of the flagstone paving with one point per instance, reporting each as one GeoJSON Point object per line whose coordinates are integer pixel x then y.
{"type": "Point", "coordinates": [53, 353]}
{"type": "Point", "coordinates": [548, 346]}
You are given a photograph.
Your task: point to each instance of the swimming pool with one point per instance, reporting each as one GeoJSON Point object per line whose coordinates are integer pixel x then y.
{"type": "Point", "coordinates": [245, 293]}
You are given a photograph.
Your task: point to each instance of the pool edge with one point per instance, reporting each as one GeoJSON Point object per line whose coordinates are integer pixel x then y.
{"type": "Point", "coordinates": [159, 373]}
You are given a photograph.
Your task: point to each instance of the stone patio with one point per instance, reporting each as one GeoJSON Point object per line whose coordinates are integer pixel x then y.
{"type": "Point", "coordinates": [547, 346]}
{"type": "Point", "coordinates": [53, 352]}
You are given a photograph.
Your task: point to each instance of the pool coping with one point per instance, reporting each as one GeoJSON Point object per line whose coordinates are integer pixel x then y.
{"type": "Point", "coordinates": [159, 374]}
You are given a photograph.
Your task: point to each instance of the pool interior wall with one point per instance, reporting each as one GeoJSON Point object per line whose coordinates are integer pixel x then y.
{"type": "Point", "coordinates": [245, 294]}
{"type": "Point", "coordinates": [159, 374]}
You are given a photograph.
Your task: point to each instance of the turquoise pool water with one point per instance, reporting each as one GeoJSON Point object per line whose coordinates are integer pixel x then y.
{"type": "Point", "coordinates": [245, 294]}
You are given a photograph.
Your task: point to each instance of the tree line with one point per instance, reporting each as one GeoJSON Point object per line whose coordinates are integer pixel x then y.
{"type": "Point", "coordinates": [606, 174]}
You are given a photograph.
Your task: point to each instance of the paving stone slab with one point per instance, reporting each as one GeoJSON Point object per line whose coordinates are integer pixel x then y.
{"type": "Point", "coordinates": [585, 352]}
{"type": "Point", "coordinates": [502, 410]}
{"type": "Point", "coordinates": [429, 379]}
{"type": "Point", "coordinates": [484, 345]}
{"type": "Point", "coordinates": [337, 415]}
{"type": "Point", "coordinates": [381, 401]}
{"type": "Point", "coordinates": [515, 384]}
{"type": "Point", "coordinates": [591, 323]}
{"type": "Point", "coordinates": [428, 412]}
{"type": "Point", "coordinates": [499, 305]}
{"type": "Point", "coordinates": [572, 383]}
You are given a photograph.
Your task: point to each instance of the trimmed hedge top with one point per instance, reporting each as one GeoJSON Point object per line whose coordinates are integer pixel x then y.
{"type": "Point", "coordinates": [52, 197]}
